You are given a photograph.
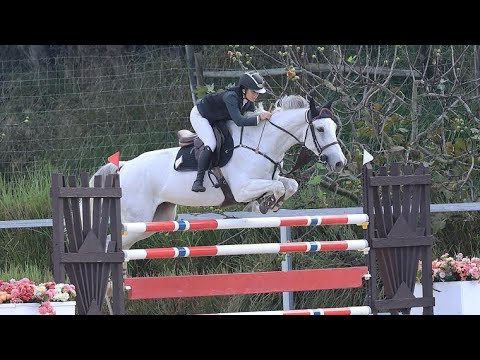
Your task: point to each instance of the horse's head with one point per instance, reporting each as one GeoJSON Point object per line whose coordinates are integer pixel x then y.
{"type": "Point", "coordinates": [321, 136]}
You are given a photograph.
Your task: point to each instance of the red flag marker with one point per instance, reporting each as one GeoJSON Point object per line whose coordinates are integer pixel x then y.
{"type": "Point", "coordinates": [115, 158]}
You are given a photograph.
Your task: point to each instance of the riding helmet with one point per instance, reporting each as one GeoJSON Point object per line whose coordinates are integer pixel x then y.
{"type": "Point", "coordinates": [252, 80]}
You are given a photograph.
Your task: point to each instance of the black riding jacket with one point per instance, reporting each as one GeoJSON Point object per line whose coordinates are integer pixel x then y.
{"type": "Point", "coordinates": [227, 105]}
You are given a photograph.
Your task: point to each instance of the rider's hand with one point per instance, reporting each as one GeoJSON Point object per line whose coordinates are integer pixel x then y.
{"type": "Point", "coordinates": [266, 115]}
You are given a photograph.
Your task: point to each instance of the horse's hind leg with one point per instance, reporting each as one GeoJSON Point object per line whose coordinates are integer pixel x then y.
{"type": "Point", "coordinates": [165, 211]}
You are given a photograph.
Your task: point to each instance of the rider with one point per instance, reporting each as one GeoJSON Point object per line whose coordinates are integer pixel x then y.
{"type": "Point", "coordinates": [229, 104]}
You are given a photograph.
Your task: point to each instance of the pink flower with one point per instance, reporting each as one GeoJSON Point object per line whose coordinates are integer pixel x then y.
{"type": "Point", "coordinates": [25, 291]}
{"type": "Point", "coordinates": [51, 293]}
{"type": "Point", "coordinates": [46, 308]}
{"type": "Point", "coordinates": [458, 268]}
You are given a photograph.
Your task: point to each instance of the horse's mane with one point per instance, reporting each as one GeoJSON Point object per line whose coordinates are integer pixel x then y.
{"type": "Point", "coordinates": [286, 102]}
{"type": "Point", "coordinates": [291, 102]}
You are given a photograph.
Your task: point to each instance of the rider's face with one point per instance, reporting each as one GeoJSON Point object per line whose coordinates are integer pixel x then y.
{"type": "Point", "coordinates": [251, 95]}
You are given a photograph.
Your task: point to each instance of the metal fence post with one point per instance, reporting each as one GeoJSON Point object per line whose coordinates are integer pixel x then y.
{"type": "Point", "coordinates": [286, 236]}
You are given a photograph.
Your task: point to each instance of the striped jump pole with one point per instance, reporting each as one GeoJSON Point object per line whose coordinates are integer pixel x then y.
{"type": "Point", "coordinates": [351, 310]}
{"type": "Point", "coordinates": [244, 249]}
{"type": "Point", "coordinates": [251, 223]}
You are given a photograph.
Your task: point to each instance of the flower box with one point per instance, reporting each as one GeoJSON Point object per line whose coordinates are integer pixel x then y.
{"type": "Point", "coordinates": [452, 298]}
{"type": "Point", "coordinates": [24, 297]}
{"type": "Point", "coordinates": [61, 308]}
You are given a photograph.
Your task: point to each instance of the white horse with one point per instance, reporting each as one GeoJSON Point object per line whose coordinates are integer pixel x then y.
{"type": "Point", "coordinates": [152, 188]}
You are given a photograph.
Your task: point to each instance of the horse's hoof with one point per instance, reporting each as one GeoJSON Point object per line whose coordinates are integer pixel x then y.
{"type": "Point", "coordinates": [276, 208]}
{"type": "Point", "coordinates": [278, 204]}
{"type": "Point", "coordinates": [267, 203]}
{"type": "Point", "coordinates": [263, 208]}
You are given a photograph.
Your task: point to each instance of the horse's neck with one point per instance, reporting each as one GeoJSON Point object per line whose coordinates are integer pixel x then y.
{"type": "Point", "coordinates": [269, 139]}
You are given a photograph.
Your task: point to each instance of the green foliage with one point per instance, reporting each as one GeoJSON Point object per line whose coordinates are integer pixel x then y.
{"type": "Point", "coordinates": [20, 271]}
{"type": "Point", "coordinates": [201, 90]}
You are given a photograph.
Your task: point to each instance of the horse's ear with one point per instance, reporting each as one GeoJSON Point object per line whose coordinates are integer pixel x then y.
{"type": "Point", "coordinates": [313, 109]}
{"type": "Point", "coordinates": [328, 105]}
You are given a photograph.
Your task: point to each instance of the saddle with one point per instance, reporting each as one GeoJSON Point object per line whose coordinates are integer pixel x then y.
{"type": "Point", "coordinates": [191, 146]}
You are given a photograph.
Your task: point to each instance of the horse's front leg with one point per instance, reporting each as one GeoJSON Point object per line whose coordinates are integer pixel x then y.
{"type": "Point", "coordinates": [254, 188]}
{"type": "Point", "coordinates": [291, 187]}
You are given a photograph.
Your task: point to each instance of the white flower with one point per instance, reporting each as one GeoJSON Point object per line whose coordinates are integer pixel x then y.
{"type": "Point", "coordinates": [61, 297]}
{"type": "Point", "coordinates": [40, 290]}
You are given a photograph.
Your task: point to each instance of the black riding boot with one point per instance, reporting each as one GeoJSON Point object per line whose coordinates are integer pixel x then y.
{"type": "Point", "coordinates": [203, 163]}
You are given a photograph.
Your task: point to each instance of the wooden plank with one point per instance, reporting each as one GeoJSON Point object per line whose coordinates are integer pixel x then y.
{"type": "Point", "coordinates": [390, 242]}
{"type": "Point", "coordinates": [58, 232]}
{"type": "Point", "coordinates": [401, 180]}
{"type": "Point", "coordinates": [244, 283]}
{"type": "Point", "coordinates": [116, 245]}
{"type": "Point", "coordinates": [391, 304]}
{"type": "Point", "coordinates": [92, 257]}
{"type": "Point", "coordinates": [387, 258]}
{"type": "Point", "coordinates": [413, 219]}
{"type": "Point", "coordinates": [319, 68]}
{"type": "Point", "coordinates": [404, 256]}
{"type": "Point", "coordinates": [68, 218]}
{"type": "Point", "coordinates": [407, 195]}
{"type": "Point", "coordinates": [379, 221]}
{"type": "Point", "coordinates": [199, 68]}
{"type": "Point", "coordinates": [395, 171]}
{"type": "Point", "coordinates": [86, 216]}
{"type": "Point", "coordinates": [82, 270]}
{"type": "Point", "coordinates": [97, 204]}
{"type": "Point", "coordinates": [76, 218]}
{"type": "Point", "coordinates": [105, 214]}
{"type": "Point", "coordinates": [81, 192]}
{"type": "Point", "coordinates": [386, 202]}
{"type": "Point", "coordinates": [416, 193]}
{"type": "Point", "coordinates": [369, 233]}
{"type": "Point", "coordinates": [396, 213]}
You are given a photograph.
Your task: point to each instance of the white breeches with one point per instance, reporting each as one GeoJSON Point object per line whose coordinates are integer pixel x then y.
{"type": "Point", "coordinates": [203, 129]}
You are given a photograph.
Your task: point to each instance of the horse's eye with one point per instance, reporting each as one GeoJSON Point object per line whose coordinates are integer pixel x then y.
{"type": "Point", "coordinates": [320, 129]}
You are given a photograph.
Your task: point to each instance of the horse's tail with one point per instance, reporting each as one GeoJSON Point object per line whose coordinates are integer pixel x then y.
{"type": "Point", "coordinates": [105, 170]}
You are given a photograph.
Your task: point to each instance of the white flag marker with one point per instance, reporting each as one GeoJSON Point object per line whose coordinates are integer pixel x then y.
{"type": "Point", "coordinates": [367, 157]}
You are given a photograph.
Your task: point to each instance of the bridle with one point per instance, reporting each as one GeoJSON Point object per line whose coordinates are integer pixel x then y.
{"type": "Point", "coordinates": [324, 113]}
{"type": "Point", "coordinates": [301, 159]}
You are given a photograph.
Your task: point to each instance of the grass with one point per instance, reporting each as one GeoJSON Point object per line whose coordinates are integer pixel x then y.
{"type": "Point", "coordinates": [19, 271]}
{"type": "Point", "coordinates": [29, 198]}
